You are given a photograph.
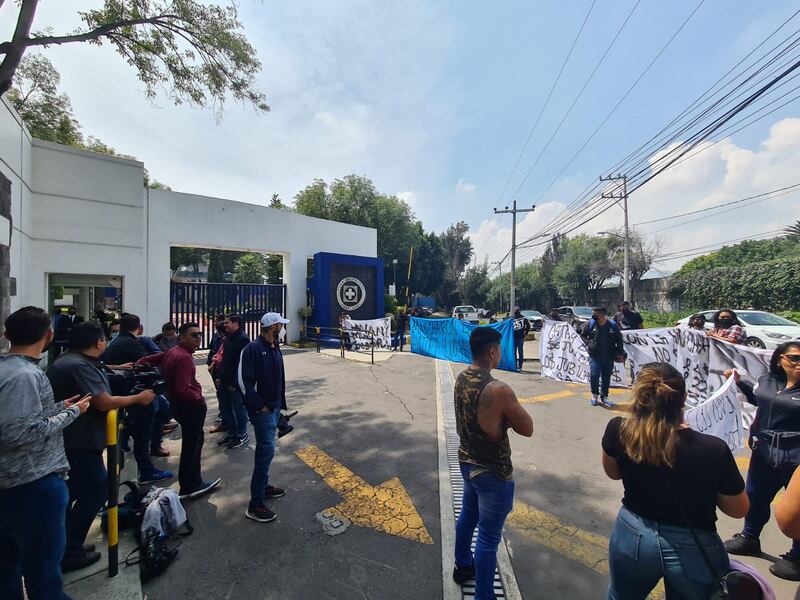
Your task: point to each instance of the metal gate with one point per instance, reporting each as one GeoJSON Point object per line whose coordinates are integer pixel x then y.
{"type": "Point", "coordinates": [201, 302]}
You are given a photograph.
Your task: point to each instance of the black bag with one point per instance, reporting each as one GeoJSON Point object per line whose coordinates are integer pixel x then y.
{"type": "Point", "coordinates": [733, 585]}
{"type": "Point", "coordinates": [130, 513]}
{"type": "Point", "coordinates": [154, 555]}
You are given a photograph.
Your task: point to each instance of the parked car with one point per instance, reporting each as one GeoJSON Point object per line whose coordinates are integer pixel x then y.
{"type": "Point", "coordinates": [535, 318]}
{"type": "Point", "coordinates": [468, 313]}
{"type": "Point", "coordinates": [764, 329]}
{"type": "Point", "coordinates": [577, 316]}
{"type": "Point", "coordinates": [421, 311]}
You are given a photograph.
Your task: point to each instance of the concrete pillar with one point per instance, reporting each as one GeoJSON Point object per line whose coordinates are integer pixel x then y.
{"type": "Point", "coordinates": [294, 275]}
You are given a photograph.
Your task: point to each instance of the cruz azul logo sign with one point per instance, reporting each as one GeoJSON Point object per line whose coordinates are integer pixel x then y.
{"type": "Point", "coordinates": [350, 293]}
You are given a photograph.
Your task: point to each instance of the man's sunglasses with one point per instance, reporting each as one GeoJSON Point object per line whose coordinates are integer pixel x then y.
{"type": "Point", "coordinates": [792, 358]}
{"type": "Point", "coordinates": [196, 334]}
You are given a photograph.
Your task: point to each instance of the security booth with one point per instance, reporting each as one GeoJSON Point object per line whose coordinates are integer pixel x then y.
{"type": "Point", "coordinates": [344, 283]}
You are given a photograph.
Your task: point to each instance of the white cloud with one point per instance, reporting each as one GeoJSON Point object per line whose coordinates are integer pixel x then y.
{"type": "Point", "coordinates": [722, 173]}
{"type": "Point", "coordinates": [464, 187]}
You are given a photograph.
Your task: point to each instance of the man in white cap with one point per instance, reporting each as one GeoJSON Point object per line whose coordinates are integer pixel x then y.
{"type": "Point", "coordinates": [263, 383]}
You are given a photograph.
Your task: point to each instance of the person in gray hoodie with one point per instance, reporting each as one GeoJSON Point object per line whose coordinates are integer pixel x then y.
{"type": "Point", "coordinates": [33, 465]}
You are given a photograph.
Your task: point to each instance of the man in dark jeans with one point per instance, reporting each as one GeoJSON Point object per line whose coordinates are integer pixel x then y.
{"type": "Point", "coordinates": [521, 330]}
{"type": "Point", "coordinates": [234, 414]}
{"type": "Point", "coordinates": [604, 343]}
{"type": "Point", "coordinates": [78, 373]}
{"type": "Point", "coordinates": [400, 330]}
{"type": "Point", "coordinates": [126, 349]}
{"type": "Point", "coordinates": [264, 384]}
{"type": "Point", "coordinates": [188, 407]}
{"type": "Point", "coordinates": [33, 466]}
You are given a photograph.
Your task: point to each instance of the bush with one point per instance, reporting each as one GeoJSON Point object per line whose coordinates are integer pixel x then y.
{"type": "Point", "coordinates": [772, 286]}
{"type": "Point", "coordinates": [792, 315]}
{"type": "Point", "coordinates": [389, 303]}
{"type": "Point", "coordinates": [663, 319]}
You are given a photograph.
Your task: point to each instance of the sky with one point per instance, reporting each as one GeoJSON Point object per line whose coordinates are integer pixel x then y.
{"type": "Point", "coordinates": [433, 101]}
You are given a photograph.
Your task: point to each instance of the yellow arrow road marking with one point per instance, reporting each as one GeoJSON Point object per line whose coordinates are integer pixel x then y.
{"type": "Point", "coordinates": [386, 507]}
{"type": "Point", "coordinates": [589, 549]}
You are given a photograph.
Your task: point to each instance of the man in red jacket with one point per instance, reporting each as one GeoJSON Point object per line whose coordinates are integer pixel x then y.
{"type": "Point", "coordinates": [188, 407]}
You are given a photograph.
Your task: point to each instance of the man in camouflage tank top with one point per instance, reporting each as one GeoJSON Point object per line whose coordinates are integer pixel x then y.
{"type": "Point", "coordinates": [485, 409]}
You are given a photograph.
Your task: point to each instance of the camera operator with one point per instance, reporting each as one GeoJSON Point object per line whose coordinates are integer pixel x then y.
{"type": "Point", "coordinates": [188, 407]}
{"type": "Point", "coordinates": [79, 372]}
{"type": "Point", "coordinates": [127, 349]}
{"type": "Point", "coordinates": [33, 466]}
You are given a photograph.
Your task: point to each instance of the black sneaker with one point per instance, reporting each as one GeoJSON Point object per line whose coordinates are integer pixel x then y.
{"type": "Point", "coordinates": [226, 440]}
{"type": "Point", "coordinates": [260, 513]}
{"type": "Point", "coordinates": [787, 567]}
{"type": "Point", "coordinates": [743, 545]}
{"type": "Point", "coordinates": [81, 561]}
{"type": "Point", "coordinates": [273, 492]}
{"type": "Point", "coordinates": [463, 574]}
{"type": "Point", "coordinates": [238, 442]}
{"type": "Point", "coordinates": [203, 488]}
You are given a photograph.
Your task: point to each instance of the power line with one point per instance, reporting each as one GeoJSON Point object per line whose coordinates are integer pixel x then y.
{"type": "Point", "coordinates": [546, 102]}
{"type": "Point", "coordinates": [694, 212]}
{"type": "Point", "coordinates": [575, 101]}
{"type": "Point", "coordinates": [715, 246]}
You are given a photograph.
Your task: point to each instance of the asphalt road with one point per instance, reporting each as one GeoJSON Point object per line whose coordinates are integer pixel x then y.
{"type": "Point", "coordinates": [361, 426]}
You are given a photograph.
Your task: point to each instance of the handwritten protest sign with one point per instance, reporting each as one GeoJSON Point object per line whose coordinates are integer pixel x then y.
{"type": "Point", "coordinates": [361, 333]}
{"type": "Point", "coordinates": [751, 363]}
{"type": "Point", "coordinates": [564, 355]}
{"type": "Point", "coordinates": [720, 416]}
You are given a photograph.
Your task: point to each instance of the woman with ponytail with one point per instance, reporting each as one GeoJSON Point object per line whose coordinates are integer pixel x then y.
{"type": "Point", "coordinates": [670, 474]}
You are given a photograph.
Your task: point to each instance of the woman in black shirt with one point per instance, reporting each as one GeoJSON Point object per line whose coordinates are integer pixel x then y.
{"type": "Point", "coordinates": [775, 440]}
{"type": "Point", "coordinates": [670, 473]}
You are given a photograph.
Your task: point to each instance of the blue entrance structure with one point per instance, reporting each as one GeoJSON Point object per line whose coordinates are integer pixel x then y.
{"type": "Point", "coordinates": [344, 283]}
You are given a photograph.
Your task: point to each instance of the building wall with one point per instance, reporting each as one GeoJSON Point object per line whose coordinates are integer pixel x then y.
{"type": "Point", "coordinates": [650, 294]}
{"type": "Point", "coordinates": [80, 212]}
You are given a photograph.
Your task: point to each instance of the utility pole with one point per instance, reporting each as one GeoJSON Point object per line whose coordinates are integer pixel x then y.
{"type": "Point", "coordinates": [626, 272]}
{"type": "Point", "coordinates": [514, 210]}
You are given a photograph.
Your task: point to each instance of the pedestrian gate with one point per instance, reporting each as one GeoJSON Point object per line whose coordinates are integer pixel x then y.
{"type": "Point", "coordinates": [201, 302]}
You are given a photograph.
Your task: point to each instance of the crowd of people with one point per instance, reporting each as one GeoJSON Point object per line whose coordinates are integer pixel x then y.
{"type": "Point", "coordinates": [53, 481]}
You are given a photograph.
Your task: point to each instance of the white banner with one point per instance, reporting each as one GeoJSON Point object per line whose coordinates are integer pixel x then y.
{"type": "Point", "coordinates": [720, 416]}
{"type": "Point", "coordinates": [381, 329]}
{"type": "Point", "coordinates": [751, 363]}
{"type": "Point", "coordinates": [564, 356]}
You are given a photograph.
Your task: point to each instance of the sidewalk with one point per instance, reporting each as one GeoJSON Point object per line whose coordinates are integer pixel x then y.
{"type": "Point", "coordinates": [93, 583]}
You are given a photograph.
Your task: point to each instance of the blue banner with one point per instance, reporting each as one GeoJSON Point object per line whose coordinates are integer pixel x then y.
{"type": "Point", "coordinates": [448, 339]}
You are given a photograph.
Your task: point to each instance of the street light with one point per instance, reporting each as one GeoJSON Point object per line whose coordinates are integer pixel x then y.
{"type": "Point", "coordinates": [394, 281]}
{"type": "Point", "coordinates": [626, 269]}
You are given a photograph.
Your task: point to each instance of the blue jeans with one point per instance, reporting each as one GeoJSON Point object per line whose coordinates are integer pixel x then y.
{"type": "Point", "coordinates": [519, 350]}
{"type": "Point", "coordinates": [163, 414]}
{"type": "Point", "coordinates": [486, 503]}
{"type": "Point", "coordinates": [265, 427]}
{"type": "Point", "coordinates": [141, 422]}
{"type": "Point", "coordinates": [399, 339]}
{"type": "Point", "coordinates": [641, 552]}
{"type": "Point", "coordinates": [234, 414]}
{"type": "Point", "coordinates": [32, 538]}
{"type": "Point", "coordinates": [600, 370]}
{"type": "Point", "coordinates": [87, 494]}
{"type": "Point", "coordinates": [763, 483]}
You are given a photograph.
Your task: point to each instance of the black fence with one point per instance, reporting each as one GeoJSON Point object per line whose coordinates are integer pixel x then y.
{"type": "Point", "coordinates": [201, 302]}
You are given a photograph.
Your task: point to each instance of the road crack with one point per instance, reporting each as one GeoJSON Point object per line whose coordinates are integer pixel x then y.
{"type": "Point", "coordinates": [388, 391]}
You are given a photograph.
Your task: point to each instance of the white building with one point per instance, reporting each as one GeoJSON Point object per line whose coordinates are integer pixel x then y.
{"type": "Point", "coordinates": [83, 222]}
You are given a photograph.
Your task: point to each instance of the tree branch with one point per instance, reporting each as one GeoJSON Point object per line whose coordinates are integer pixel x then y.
{"type": "Point", "coordinates": [16, 48]}
{"type": "Point", "coordinates": [97, 33]}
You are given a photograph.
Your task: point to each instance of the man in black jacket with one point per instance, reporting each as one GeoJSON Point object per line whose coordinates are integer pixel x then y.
{"type": "Point", "coordinates": [234, 414]}
{"type": "Point", "coordinates": [604, 343]}
{"type": "Point", "coordinates": [522, 328]}
{"type": "Point", "coordinates": [126, 349]}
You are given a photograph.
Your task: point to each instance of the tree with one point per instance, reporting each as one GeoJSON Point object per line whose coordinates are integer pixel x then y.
{"type": "Point", "coordinates": [250, 268]}
{"type": "Point", "coordinates": [744, 253]}
{"type": "Point", "coordinates": [196, 52]}
{"type": "Point", "coordinates": [475, 285]}
{"type": "Point", "coordinates": [584, 267]}
{"type": "Point", "coordinates": [641, 256]}
{"type": "Point", "coordinates": [276, 202]}
{"type": "Point", "coordinates": [792, 232]}
{"type": "Point", "coordinates": [457, 249]}
{"type": "Point", "coordinates": [180, 256]}
{"type": "Point", "coordinates": [355, 200]}
{"type": "Point", "coordinates": [46, 113]}
{"type": "Point", "coordinates": [221, 262]}
{"type": "Point", "coordinates": [429, 264]}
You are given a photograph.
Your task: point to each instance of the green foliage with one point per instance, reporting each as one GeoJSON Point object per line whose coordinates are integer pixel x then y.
{"type": "Point", "coordinates": [429, 263]}
{"type": "Point", "coordinates": [305, 312]}
{"type": "Point", "coordinates": [792, 315]}
{"type": "Point", "coordinates": [389, 304]}
{"type": "Point", "coordinates": [747, 252]}
{"type": "Point", "coordinates": [250, 268]}
{"type": "Point", "coordinates": [275, 268]}
{"type": "Point", "coordinates": [193, 257]}
{"type": "Point", "coordinates": [46, 113]}
{"type": "Point", "coordinates": [457, 249]}
{"type": "Point", "coordinates": [276, 202]}
{"type": "Point", "coordinates": [663, 319]}
{"type": "Point", "coordinates": [792, 232]}
{"type": "Point", "coordinates": [475, 286]}
{"type": "Point", "coordinates": [583, 266]}
{"type": "Point", "coordinates": [773, 285]}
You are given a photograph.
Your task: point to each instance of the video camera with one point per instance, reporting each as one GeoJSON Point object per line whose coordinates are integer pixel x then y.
{"type": "Point", "coordinates": [283, 424]}
{"type": "Point", "coordinates": [149, 379]}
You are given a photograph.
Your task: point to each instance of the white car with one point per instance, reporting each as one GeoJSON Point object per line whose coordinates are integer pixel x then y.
{"type": "Point", "coordinates": [466, 312]}
{"type": "Point", "coordinates": [763, 329]}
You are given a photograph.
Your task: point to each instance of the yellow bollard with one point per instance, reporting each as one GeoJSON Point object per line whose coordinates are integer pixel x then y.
{"type": "Point", "coordinates": [112, 460]}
